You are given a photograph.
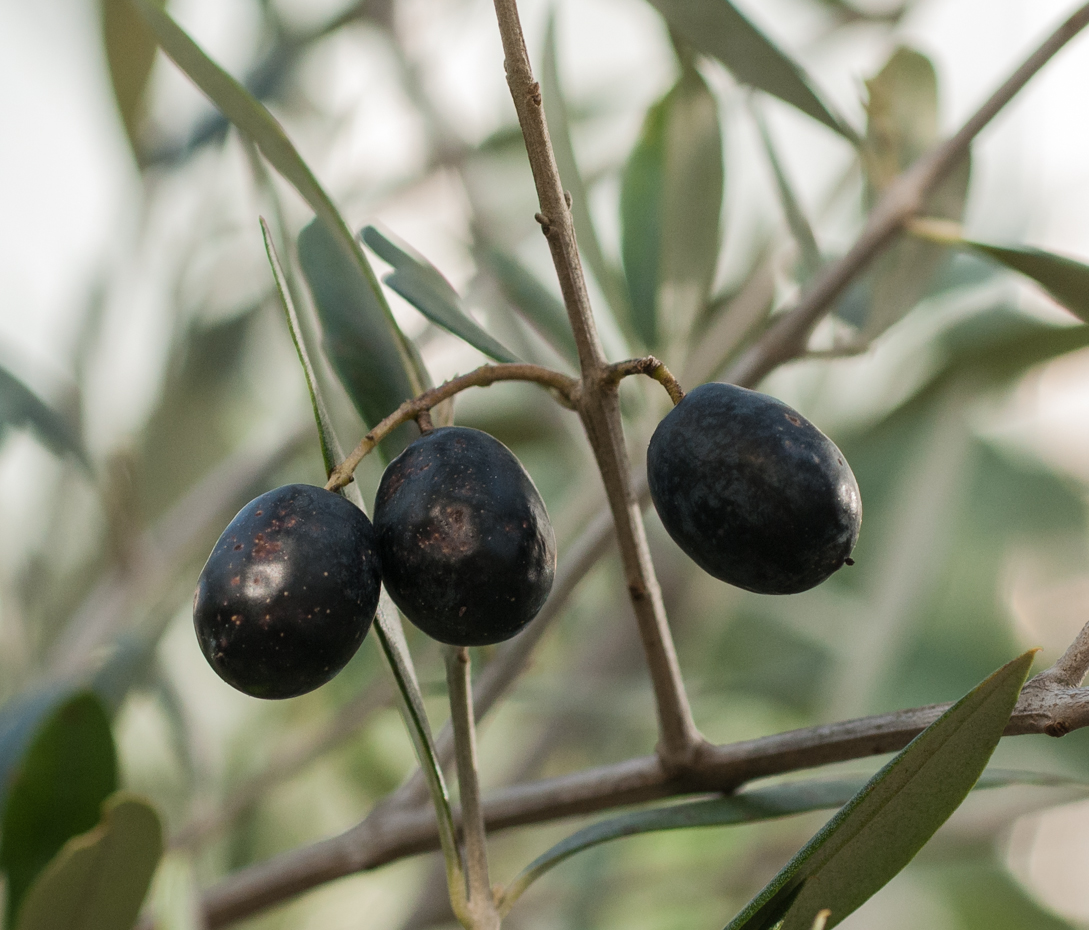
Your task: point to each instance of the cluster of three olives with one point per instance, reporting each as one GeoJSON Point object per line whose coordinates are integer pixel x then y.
{"type": "Point", "coordinates": [748, 488]}
{"type": "Point", "coordinates": [460, 538]}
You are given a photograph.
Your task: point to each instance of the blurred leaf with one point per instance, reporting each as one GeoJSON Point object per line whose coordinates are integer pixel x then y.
{"type": "Point", "coordinates": [984, 896]}
{"type": "Point", "coordinates": [792, 209]}
{"type": "Point", "coordinates": [22, 408]}
{"type": "Point", "coordinates": [391, 636]}
{"type": "Point", "coordinates": [670, 205]}
{"type": "Point", "coordinates": [422, 285]}
{"type": "Point", "coordinates": [533, 301]}
{"type": "Point", "coordinates": [1063, 278]}
{"type": "Point", "coordinates": [252, 118]}
{"type": "Point", "coordinates": [100, 878]}
{"type": "Point", "coordinates": [882, 828]}
{"type": "Point", "coordinates": [56, 792]}
{"type": "Point", "coordinates": [750, 806]}
{"type": "Point", "coordinates": [317, 403]}
{"type": "Point", "coordinates": [358, 338]}
{"type": "Point", "coordinates": [717, 28]}
{"type": "Point", "coordinates": [902, 124]}
{"type": "Point", "coordinates": [559, 128]}
{"type": "Point", "coordinates": [130, 53]}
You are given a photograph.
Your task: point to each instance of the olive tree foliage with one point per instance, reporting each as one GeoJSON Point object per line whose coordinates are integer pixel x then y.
{"type": "Point", "coordinates": [645, 698]}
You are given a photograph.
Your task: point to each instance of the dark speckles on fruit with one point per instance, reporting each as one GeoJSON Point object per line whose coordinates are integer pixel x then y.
{"type": "Point", "coordinates": [466, 546]}
{"type": "Point", "coordinates": [256, 634]}
{"type": "Point", "coordinates": [769, 507]}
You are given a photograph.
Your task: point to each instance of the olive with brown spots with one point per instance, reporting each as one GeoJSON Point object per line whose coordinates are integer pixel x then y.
{"type": "Point", "coordinates": [466, 546]}
{"type": "Point", "coordinates": [288, 593]}
{"type": "Point", "coordinates": [753, 492]}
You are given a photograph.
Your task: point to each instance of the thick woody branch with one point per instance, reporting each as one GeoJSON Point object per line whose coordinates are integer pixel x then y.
{"type": "Point", "coordinates": [903, 199]}
{"type": "Point", "coordinates": [392, 831]}
{"type": "Point", "coordinates": [599, 403]}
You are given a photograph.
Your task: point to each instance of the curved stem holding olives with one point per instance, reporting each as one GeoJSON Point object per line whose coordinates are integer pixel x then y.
{"type": "Point", "coordinates": [651, 367]}
{"type": "Point", "coordinates": [564, 386]}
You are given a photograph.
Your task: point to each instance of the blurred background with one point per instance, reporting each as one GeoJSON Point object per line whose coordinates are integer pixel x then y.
{"type": "Point", "coordinates": [138, 305]}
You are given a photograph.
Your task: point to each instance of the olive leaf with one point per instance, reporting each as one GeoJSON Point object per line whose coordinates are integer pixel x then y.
{"type": "Point", "coordinates": [800, 227]}
{"type": "Point", "coordinates": [1065, 279]}
{"type": "Point", "coordinates": [882, 827]}
{"type": "Point", "coordinates": [422, 285]}
{"type": "Point", "coordinates": [100, 878]}
{"type": "Point", "coordinates": [757, 804]}
{"type": "Point", "coordinates": [130, 53]}
{"type": "Point", "coordinates": [20, 407]}
{"type": "Point", "coordinates": [391, 636]}
{"type": "Point", "coordinates": [902, 124]}
{"type": "Point", "coordinates": [608, 276]}
{"type": "Point", "coordinates": [670, 206]}
{"type": "Point", "coordinates": [531, 299]}
{"type": "Point", "coordinates": [317, 402]}
{"type": "Point", "coordinates": [45, 805]}
{"type": "Point", "coordinates": [717, 28]}
{"type": "Point", "coordinates": [358, 339]}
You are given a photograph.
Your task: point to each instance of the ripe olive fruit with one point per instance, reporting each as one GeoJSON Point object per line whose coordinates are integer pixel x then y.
{"type": "Point", "coordinates": [753, 492]}
{"type": "Point", "coordinates": [288, 593]}
{"type": "Point", "coordinates": [466, 546]}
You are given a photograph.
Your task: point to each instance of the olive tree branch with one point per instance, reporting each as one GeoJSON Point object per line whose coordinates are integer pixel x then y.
{"type": "Point", "coordinates": [566, 387]}
{"type": "Point", "coordinates": [903, 198]}
{"type": "Point", "coordinates": [1048, 704]}
{"type": "Point", "coordinates": [481, 910]}
{"type": "Point", "coordinates": [599, 404]}
{"type": "Point", "coordinates": [651, 367]}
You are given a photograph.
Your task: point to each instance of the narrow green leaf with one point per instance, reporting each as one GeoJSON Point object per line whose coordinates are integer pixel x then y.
{"type": "Point", "coordinates": [321, 414]}
{"type": "Point", "coordinates": [670, 204]}
{"type": "Point", "coordinates": [1063, 278]}
{"type": "Point", "coordinates": [746, 807]}
{"type": "Point", "coordinates": [422, 285]}
{"type": "Point", "coordinates": [100, 878]}
{"type": "Point", "coordinates": [56, 792]}
{"type": "Point", "coordinates": [608, 276]}
{"type": "Point", "coordinates": [130, 53]}
{"type": "Point", "coordinates": [717, 28]}
{"type": "Point", "coordinates": [391, 636]}
{"type": "Point", "coordinates": [902, 124]}
{"type": "Point", "coordinates": [882, 828]}
{"type": "Point", "coordinates": [641, 206]}
{"type": "Point", "coordinates": [254, 120]}
{"type": "Point", "coordinates": [20, 407]}
{"type": "Point", "coordinates": [358, 341]}
{"type": "Point", "coordinates": [792, 209]}
{"type": "Point", "coordinates": [533, 301]}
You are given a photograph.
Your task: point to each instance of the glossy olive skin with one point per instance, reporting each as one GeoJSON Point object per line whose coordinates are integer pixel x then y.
{"type": "Point", "coordinates": [753, 492]}
{"type": "Point", "coordinates": [288, 593]}
{"type": "Point", "coordinates": [466, 546]}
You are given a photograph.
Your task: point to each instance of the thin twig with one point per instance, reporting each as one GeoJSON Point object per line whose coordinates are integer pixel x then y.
{"type": "Point", "coordinates": [483, 376]}
{"type": "Point", "coordinates": [904, 198]}
{"type": "Point", "coordinates": [650, 366]}
{"type": "Point", "coordinates": [481, 905]}
{"type": "Point", "coordinates": [599, 403]}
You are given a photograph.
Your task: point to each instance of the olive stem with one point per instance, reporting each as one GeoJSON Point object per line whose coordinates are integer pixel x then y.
{"type": "Point", "coordinates": [679, 741]}
{"type": "Point", "coordinates": [901, 201]}
{"type": "Point", "coordinates": [566, 387]}
{"type": "Point", "coordinates": [481, 910]}
{"type": "Point", "coordinates": [651, 367]}
{"type": "Point", "coordinates": [423, 421]}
